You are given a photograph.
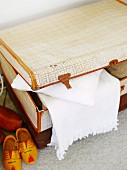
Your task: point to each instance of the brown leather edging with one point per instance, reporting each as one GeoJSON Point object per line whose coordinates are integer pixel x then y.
{"type": "Point", "coordinates": [13, 68]}
{"type": "Point", "coordinates": [39, 115]}
{"type": "Point", "coordinates": [31, 74]}
{"type": "Point", "coordinates": [124, 3]}
{"type": "Point", "coordinates": [123, 78]}
{"type": "Point", "coordinates": [81, 74]}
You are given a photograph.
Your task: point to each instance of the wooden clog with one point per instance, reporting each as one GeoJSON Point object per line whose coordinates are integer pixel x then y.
{"type": "Point", "coordinates": [28, 149]}
{"type": "Point", "coordinates": [11, 156]}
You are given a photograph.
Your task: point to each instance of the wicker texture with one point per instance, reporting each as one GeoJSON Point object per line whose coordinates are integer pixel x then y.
{"type": "Point", "coordinates": [75, 41]}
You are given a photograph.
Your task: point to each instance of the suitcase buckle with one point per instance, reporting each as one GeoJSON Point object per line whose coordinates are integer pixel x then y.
{"type": "Point", "coordinates": [65, 80]}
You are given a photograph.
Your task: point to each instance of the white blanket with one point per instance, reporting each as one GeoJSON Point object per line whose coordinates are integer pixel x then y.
{"type": "Point", "coordinates": [73, 121]}
{"type": "Point", "coordinates": [88, 83]}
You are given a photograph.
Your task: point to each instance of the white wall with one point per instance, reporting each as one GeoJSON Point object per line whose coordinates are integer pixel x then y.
{"type": "Point", "coordinates": [17, 11]}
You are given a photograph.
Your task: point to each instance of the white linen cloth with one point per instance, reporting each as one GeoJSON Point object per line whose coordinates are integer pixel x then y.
{"type": "Point", "coordinates": [88, 83]}
{"type": "Point", "coordinates": [73, 121]}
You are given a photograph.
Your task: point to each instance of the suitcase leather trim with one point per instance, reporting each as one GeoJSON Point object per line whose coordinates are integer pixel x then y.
{"type": "Point", "coordinates": [124, 3]}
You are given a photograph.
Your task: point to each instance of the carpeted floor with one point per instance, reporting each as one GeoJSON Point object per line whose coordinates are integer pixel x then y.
{"type": "Point", "coordinates": [101, 152]}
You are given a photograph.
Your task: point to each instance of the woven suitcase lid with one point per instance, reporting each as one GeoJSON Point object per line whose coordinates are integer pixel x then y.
{"type": "Point", "coordinates": [70, 43]}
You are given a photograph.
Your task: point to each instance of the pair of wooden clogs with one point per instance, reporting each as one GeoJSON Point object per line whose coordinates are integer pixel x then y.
{"type": "Point", "coordinates": [16, 149]}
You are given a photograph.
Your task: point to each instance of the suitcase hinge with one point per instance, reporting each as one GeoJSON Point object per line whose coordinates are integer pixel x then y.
{"type": "Point", "coordinates": [65, 80]}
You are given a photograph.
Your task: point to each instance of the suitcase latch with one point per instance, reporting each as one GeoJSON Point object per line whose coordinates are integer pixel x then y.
{"type": "Point", "coordinates": [113, 62]}
{"type": "Point", "coordinates": [65, 80]}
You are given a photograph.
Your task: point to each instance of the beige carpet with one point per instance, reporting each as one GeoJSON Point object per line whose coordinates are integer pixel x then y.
{"type": "Point", "coordinates": [101, 152]}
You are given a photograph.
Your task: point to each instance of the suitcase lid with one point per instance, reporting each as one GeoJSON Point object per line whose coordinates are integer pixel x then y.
{"type": "Point", "coordinates": [68, 44]}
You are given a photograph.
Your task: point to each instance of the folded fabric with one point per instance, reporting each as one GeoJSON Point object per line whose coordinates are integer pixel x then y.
{"type": "Point", "coordinates": [73, 121]}
{"type": "Point", "coordinates": [82, 91]}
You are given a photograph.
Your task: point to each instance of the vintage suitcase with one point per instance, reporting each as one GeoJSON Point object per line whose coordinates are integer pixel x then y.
{"type": "Point", "coordinates": [59, 47]}
{"type": "Point", "coordinates": [34, 113]}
